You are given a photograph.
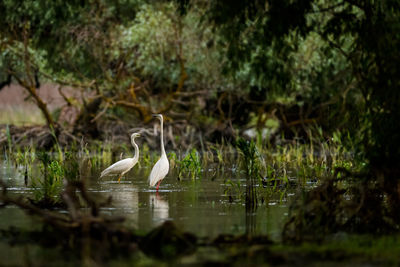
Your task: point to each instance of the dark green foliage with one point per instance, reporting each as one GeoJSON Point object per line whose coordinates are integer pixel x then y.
{"type": "Point", "coordinates": [183, 6]}
{"type": "Point", "coordinates": [366, 36]}
{"type": "Point", "coordinates": [373, 55]}
{"type": "Point", "coordinates": [71, 33]}
{"type": "Point", "coordinates": [254, 32]}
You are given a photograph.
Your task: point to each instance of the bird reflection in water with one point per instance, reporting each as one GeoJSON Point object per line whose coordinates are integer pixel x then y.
{"type": "Point", "coordinates": [159, 208]}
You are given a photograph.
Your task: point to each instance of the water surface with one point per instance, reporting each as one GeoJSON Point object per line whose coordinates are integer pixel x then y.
{"type": "Point", "coordinates": [200, 205]}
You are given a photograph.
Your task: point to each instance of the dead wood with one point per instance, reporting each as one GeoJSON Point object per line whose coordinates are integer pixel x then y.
{"type": "Point", "coordinates": [75, 219]}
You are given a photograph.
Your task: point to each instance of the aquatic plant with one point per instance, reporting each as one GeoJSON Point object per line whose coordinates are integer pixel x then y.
{"type": "Point", "coordinates": [71, 168]}
{"type": "Point", "coordinates": [234, 188]}
{"type": "Point", "coordinates": [190, 165]}
{"type": "Point", "coordinates": [251, 166]}
{"type": "Point", "coordinates": [47, 188]}
{"type": "Point", "coordinates": [9, 140]}
{"type": "Point", "coordinates": [218, 152]}
{"type": "Point", "coordinates": [24, 160]}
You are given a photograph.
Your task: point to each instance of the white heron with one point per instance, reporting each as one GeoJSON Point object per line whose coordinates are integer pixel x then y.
{"type": "Point", "coordinates": [161, 168]}
{"type": "Point", "coordinates": [123, 166]}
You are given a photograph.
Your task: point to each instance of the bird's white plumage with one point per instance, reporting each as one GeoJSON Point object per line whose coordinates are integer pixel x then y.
{"type": "Point", "coordinates": [120, 167]}
{"type": "Point", "coordinates": [123, 166]}
{"type": "Point", "coordinates": [161, 168]}
{"type": "Point", "coordinates": [159, 171]}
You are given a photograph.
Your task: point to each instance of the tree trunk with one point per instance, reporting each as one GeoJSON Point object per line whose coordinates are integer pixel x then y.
{"type": "Point", "coordinates": [43, 108]}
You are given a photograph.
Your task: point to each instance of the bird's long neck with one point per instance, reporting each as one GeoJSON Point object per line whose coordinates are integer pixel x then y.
{"type": "Point", "coordinates": [135, 146]}
{"type": "Point", "coordinates": [162, 138]}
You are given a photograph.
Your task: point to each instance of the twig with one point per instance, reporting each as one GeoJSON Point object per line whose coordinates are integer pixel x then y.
{"type": "Point", "coordinates": [101, 113]}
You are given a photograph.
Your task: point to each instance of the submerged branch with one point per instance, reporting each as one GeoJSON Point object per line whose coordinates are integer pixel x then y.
{"type": "Point", "coordinates": [75, 219]}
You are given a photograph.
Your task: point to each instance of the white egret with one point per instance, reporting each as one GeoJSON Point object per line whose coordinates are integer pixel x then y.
{"type": "Point", "coordinates": [161, 168]}
{"type": "Point", "coordinates": [123, 166]}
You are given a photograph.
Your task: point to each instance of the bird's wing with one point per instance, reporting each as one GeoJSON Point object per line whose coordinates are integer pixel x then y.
{"type": "Point", "coordinates": [159, 171]}
{"type": "Point", "coordinates": [119, 167]}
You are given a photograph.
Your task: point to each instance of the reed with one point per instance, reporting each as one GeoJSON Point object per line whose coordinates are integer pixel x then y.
{"type": "Point", "coordinates": [47, 187]}
{"type": "Point", "coordinates": [190, 165]}
{"type": "Point", "coordinates": [251, 166]}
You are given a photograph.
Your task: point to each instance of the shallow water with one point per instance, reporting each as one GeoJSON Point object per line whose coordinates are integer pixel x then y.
{"type": "Point", "coordinates": [200, 206]}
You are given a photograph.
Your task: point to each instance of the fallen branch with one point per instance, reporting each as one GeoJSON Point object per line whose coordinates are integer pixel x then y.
{"type": "Point", "coordinates": [75, 219]}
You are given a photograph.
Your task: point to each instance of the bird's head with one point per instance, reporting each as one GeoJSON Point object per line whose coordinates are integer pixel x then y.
{"type": "Point", "coordinates": [158, 116]}
{"type": "Point", "coordinates": [134, 135]}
